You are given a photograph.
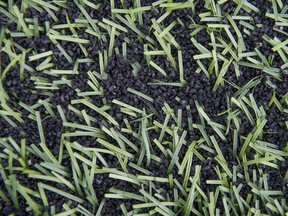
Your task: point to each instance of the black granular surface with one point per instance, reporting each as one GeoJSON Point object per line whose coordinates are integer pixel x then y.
{"type": "Point", "coordinates": [249, 93]}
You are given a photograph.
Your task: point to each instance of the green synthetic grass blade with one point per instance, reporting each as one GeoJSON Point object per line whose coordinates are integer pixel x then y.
{"type": "Point", "coordinates": [22, 21]}
{"type": "Point", "coordinates": [140, 94]}
{"type": "Point", "coordinates": [165, 209]}
{"type": "Point", "coordinates": [127, 106]}
{"type": "Point", "coordinates": [176, 152]}
{"type": "Point", "coordinates": [191, 197]}
{"type": "Point", "coordinates": [60, 192]}
{"type": "Point", "coordinates": [114, 148]}
{"type": "Point", "coordinates": [158, 68]}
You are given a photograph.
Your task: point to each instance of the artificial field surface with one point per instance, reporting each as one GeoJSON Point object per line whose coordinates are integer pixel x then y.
{"type": "Point", "coordinates": [143, 107]}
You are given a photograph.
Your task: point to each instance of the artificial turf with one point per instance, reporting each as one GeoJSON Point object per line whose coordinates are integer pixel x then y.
{"type": "Point", "coordinates": [130, 107]}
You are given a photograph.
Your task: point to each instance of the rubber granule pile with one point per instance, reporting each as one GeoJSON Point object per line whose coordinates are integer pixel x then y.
{"type": "Point", "coordinates": [141, 107]}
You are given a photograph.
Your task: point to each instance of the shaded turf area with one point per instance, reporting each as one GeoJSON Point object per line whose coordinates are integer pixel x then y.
{"type": "Point", "coordinates": [143, 107]}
